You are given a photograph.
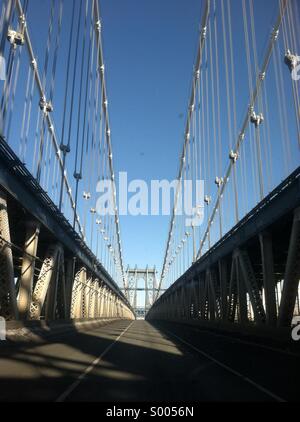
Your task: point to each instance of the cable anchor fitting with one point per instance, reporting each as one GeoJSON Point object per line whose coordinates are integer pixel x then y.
{"type": "Point", "coordinates": [262, 76]}
{"type": "Point", "coordinates": [15, 38]}
{"type": "Point", "coordinates": [291, 60]}
{"type": "Point", "coordinates": [207, 199]}
{"type": "Point", "coordinates": [256, 119]}
{"type": "Point", "coordinates": [86, 195]}
{"type": "Point", "coordinates": [45, 106]}
{"type": "Point", "coordinates": [77, 176]}
{"type": "Point", "coordinates": [233, 156]}
{"type": "Point", "coordinates": [23, 24]}
{"type": "Point", "coordinates": [203, 33]}
{"type": "Point", "coordinates": [219, 181]}
{"type": "Point", "coordinates": [242, 136]}
{"type": "Point", "coordinates": [275, 34]}
{"type": "Point", "coordinates": [65, 148]}
{"type": "Point", "coordinates": [98, 25]}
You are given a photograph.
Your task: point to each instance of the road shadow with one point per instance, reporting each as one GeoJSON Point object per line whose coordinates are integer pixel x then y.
{"type": "Point", "coordinates": [145, 364]}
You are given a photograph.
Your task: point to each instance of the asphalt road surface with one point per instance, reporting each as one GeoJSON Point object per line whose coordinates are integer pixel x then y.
{"type": "Point", "coordinates": [138, 361]}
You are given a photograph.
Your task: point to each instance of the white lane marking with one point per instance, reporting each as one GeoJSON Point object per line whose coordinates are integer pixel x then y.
{"type": "Point", "coordinates": [75, 384]}
{"type": "Point", "coordinates": [227, 368]}
{"type": "Point", "coordinates": [247, 342]}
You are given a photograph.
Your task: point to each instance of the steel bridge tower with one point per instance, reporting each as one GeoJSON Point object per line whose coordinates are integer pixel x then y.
{"type": "Point", "coordinates": [150, 288]}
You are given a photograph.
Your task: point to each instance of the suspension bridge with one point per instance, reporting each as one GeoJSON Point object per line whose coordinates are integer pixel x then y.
{"type": "Point", "coordinates": [218, 314]}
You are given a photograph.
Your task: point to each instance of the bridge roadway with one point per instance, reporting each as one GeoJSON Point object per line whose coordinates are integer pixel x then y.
{"type": "Point", "coordinates": [139, 361]}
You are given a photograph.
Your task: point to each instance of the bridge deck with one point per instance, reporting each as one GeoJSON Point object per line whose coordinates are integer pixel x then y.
{"type": "Point", "coordinates": [140, 361]}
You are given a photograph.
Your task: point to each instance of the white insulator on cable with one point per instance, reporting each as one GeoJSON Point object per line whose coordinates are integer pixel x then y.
{"type": "Point", "coordinates": [93, 211]}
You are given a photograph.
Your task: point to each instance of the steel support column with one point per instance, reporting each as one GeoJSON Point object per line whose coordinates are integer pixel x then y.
{"type": "Point", "coordinates": [78, 293]}
{"type": "Point", "coordinates": [291, 276]}
{"type": "Point", "coordinates": [250, 281]}
{"type": "Point", "coordinates": [28, 267]}
{"type": "Point", "coordinates": [70, 275]}
{"type": "Point", "coordinates": [47, 274]}
{"type": "Point", "coordinates": [8, 301]}
{"type": "Point", "coordinates": [268, 277]}
{"type": "Point", "coordinates": [242, 296]}
{"type": "Point", "coordinates": [63, 310]}
{"type": "Point", "coordinates": [52, 298]}
{"type": "Point", "coordinates": [223, 277]}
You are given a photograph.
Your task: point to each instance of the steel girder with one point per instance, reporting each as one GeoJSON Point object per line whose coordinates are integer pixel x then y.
{"type": "Point", "coordinates": [8, 301]}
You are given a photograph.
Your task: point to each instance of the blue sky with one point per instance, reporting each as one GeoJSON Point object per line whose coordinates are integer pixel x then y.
{"type": "Point", "coordinates": [149, 49]}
